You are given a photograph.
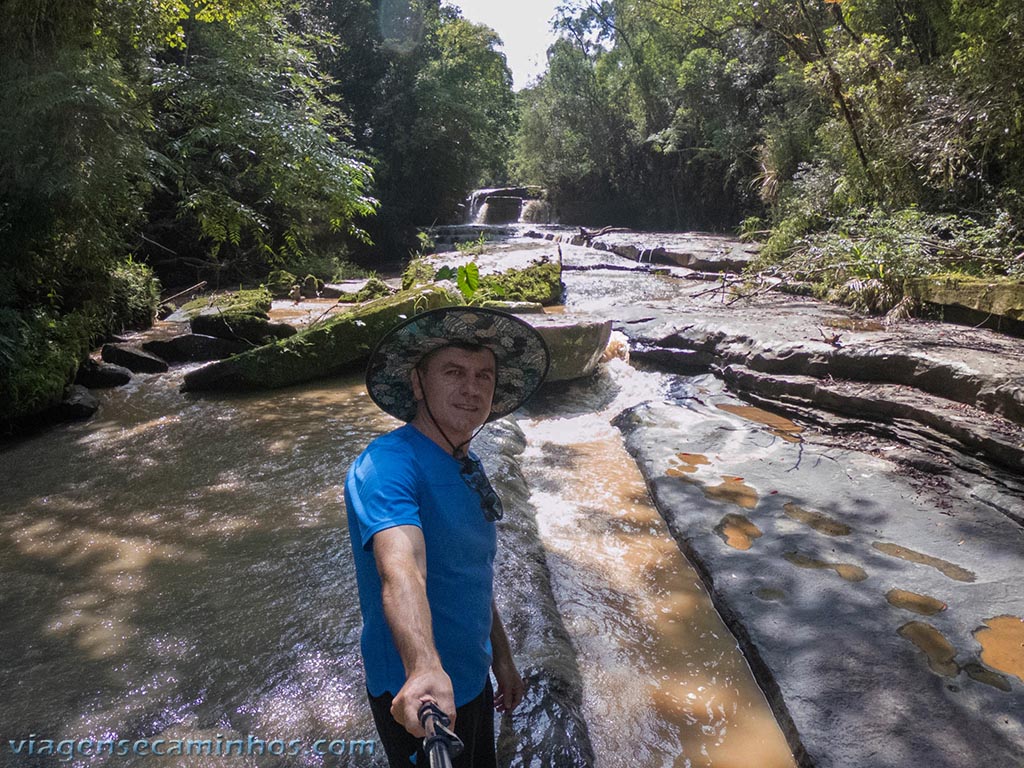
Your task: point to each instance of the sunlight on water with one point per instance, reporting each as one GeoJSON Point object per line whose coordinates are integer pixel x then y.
{"type": "Point", "coordinates": [175, 568]}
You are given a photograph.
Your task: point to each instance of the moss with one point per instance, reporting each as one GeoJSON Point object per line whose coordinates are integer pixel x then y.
{"type": "Point", "coordinates": [280, 282]}
{"type": "Point", "coordinates": [541, 283]}
{"type": "Point", "coordinates": [255, 301]}
{"type": "Point", "coordinates": [1000, 296]}
{"type": "Point", "coordinates": [419, 272]}
{"type": "Point", "coordinates": [323, 350]}
{"type": "Point", "coordinates": [375, 288]}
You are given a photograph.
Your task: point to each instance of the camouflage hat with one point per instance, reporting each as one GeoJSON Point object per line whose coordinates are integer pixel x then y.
{"type": "Point", "coordinates": [519, 351]}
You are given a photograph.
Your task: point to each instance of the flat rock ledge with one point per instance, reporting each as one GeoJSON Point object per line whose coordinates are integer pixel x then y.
{"type": "Point", "coordinates": [859, 602]}
{"type": "Point", "coordinates": [962, 383]}
{"type": "Point", "coordinates": [694, 250]}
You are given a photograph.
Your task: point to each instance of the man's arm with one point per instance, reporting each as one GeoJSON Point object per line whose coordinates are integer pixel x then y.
{"type": "Point", "coordinates": [400, 553]}
{"type": "Point", "coordinates": [511, 687]}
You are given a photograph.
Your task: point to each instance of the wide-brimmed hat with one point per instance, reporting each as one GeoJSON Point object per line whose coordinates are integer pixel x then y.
{"type": "Point", "coordinates": [520, 353]}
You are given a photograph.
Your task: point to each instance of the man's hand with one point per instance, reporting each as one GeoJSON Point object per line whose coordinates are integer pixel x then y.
{"type": "Point", "coordinates": [511, 688]}
{"type": "Point", "coordinates": [429, 685]}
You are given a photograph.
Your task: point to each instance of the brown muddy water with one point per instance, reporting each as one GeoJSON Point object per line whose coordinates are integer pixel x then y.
{"type": "Point", "coordinates": [664, 681]}
{"type": "Point", "coordinates": [177, 569]}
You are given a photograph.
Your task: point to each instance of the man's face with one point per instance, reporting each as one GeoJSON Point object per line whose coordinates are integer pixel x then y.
{"type": "Point", "coordinates": [459, 386]}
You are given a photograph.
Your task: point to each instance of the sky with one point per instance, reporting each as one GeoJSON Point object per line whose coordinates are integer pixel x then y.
{"type": "Point", "coordinates": [523, 25]}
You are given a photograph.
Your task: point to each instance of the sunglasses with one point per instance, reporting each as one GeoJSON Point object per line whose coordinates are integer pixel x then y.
{"type": "Point", "coordinates": [472, 472]}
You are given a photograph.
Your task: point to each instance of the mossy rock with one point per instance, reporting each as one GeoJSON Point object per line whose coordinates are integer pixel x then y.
{"type": "Point", "coordinates": [240, 327]}
{"type": "Point", "coordinates": [255, 302]}
{"type": "Point", "coordinates": [419, 272]}
{"type": "Point", "coordinates": [1003, 297]}
{"type": "Point", "coordinates": [280, 282]}
{"type": "Point", "coordinates": [515, 307]}
{"type": "Point", "coordinates": [324, 350]}
{"type": "Point", "coordinates": [375, 288]}
{"type": "Point", "coordinates": [540, 284]}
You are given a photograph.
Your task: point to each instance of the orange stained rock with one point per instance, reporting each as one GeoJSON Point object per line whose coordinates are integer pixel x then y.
{"type": "Point", "coordinates": [846, 571]}
{"type": "Point", "coordinates": [936, 647]}
{"type": "Point", "coordinates": [734, 491]}
{"type": "Point", "coordinates": [911, 601]}
{"type": "Point", "coordinates": [954, 572]}
{"type": "Point", "coordinates": [737, 531]}
{"type": "Point", "coordinates": [1002, 644]}
{"type": "Point", "coordinates": [780, 426]}
{"type": "Point", "coordinates": [816, 520]}
{"type": "Point", "coordinates": [688, 463]}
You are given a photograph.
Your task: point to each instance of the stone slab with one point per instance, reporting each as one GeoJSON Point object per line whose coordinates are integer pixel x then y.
{"type": "Point", "coordinates": [133, 358]}
{"type": "Point", "coordinates": [849, 690]}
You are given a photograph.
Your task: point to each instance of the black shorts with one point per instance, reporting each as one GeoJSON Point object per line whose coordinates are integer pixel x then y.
{"type": "Point", "coordinates": [474, 724]}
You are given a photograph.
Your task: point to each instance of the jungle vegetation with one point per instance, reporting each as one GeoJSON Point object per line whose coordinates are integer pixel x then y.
{"type": "Point", "coordinates": [864, 141]}
{"type": "Point", "coordinates": [217, 140]}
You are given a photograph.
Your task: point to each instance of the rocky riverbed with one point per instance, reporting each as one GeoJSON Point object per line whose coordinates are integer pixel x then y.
{"type": "Point", "coordinates": [854, 501]}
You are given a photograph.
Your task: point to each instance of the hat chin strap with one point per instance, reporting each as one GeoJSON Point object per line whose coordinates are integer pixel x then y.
{"type": "Point", "coordinates": [455, 448]}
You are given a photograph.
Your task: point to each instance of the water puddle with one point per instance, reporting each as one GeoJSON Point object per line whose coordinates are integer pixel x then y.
{"type": "Point", "coordinates": [912, 601]}
{"type": "Point", "coordinates": [934, 645]}
{"type": "Point", "coordinates": [737, 531]}
{"type": "Point", "coordinates": [734, 491]}
{"type": "Point", "coordinates": [816, 520]}
{"type": "Point", "coordinates": [778, 425]}
{"type": "Point", "coordinates": [770, 594]}
{"type": "Point", "coordinates": [846, 571]}
{"type": "Point", "coordinates": [687, 464]}
{"type": "Point", "coordinates": [954, 572]}
{"type": "Point", "coordinates": [1002, 644]}
{"type": "Point", "coordinates": [986, 676]}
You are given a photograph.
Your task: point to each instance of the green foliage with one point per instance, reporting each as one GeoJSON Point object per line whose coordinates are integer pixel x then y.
{"type": "Point", "coordinates": [40, 354]}
{"type": "Point", "coordinates": [135, 294]}
{"type": "Point", "coordinates": [473, 247]}
{"type": "Point", "coordinates": [254, 167]}
{"type": "Point", "coordinates": [865, 259]}
{"type": "Point", "coordinates": [802, 115]}
{"type": "Point", "coordinates": [434, 107]}
{"type": "Point", "coordinates": [468, 280]}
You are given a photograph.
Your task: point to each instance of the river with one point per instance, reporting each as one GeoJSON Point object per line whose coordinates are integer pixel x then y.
{"type": "Point", "coordinates": [177, 569]}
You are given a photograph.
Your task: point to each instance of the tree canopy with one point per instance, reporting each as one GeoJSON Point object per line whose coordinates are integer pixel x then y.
{"type": "Point", "coordinates": [817, 118]}
{"type": "Point", "coordinates": [219, 139]}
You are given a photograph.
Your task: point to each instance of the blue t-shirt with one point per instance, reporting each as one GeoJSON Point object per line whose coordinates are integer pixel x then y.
{"type": "Point", "coordinates": [405, 478]}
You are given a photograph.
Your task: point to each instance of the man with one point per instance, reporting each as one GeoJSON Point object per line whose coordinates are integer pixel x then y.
{"type": "Point", "coordinates": [421, 519]}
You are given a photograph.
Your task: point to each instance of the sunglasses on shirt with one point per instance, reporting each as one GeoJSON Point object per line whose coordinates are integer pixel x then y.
{"type": "Point", "coordinates": [472, 472]}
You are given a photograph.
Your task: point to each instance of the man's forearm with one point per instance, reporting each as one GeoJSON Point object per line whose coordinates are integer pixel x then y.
{"type": "Point", "coordinates": [407, 612]}
{"type": "Point", "coordinates": [500, 647]}
{"type": "Point", "coordinates": [511, 687]}
{"type": "Point", "coordinates": [400, 556]}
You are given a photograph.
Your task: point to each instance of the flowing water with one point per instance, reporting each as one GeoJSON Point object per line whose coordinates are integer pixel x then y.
{"type": "Point", "coordinates": [664, 681]}
{"type": "Point", "coordinates": [177, 568]}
